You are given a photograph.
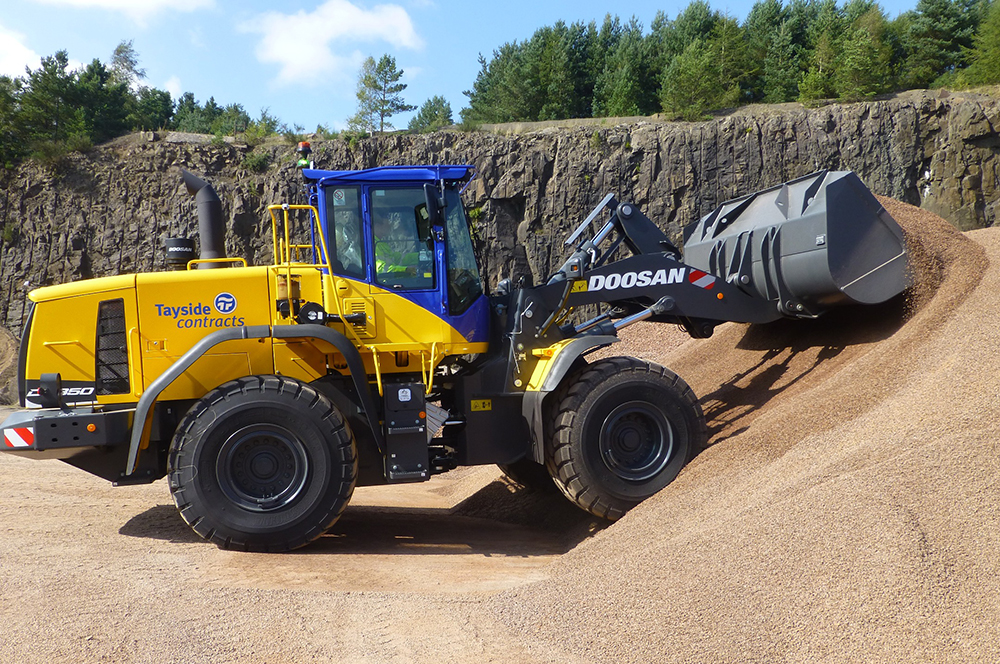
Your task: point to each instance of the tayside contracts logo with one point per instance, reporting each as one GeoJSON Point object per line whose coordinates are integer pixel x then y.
{"type": "Point", "coordinates": [203, 315]}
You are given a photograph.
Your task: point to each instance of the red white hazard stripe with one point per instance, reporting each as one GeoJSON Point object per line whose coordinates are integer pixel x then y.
{"type": "Point", "coordinates": [701, 279]}
{"type": "Point", "coordinates": [19, 437]}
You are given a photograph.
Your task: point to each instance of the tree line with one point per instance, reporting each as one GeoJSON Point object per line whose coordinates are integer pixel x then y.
{"type": "Point", "coordinates": [703, 60]}
{"type": "Point", "coordinates": [55, 109]}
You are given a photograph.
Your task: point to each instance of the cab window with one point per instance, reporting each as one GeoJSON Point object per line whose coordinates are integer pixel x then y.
{"type": "Point", "coordinates": [347, 253]}
{"type": "Point", "coordinates": [464, 286]}
{"type": "Point", "coordinates": [401, 239]}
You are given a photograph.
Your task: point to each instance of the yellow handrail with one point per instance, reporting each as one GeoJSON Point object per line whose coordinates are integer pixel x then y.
{"type": "Point", "coordinates": [199, 261]}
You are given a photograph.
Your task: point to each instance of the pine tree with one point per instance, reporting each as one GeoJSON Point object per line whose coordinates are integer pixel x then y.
{"type": "Point", "coordinates": [984, 67]}
{"type": "Point", "coordinates": [12, 147]}
{"type": "Point", "coordinates": [379, 94]}
{"type": "Point", "coordinates": [864, 66]}
{"type": "Point", "coordinates": [729, 49]}
{"type": "Point", "coordinates": [691, 83]}
{"type": "Point", "coordinates": [151, 109]}
{"type": "Point", "coordinates": [940, 33]}
{"type": "Point", "coordinates": [626, 87]}
{"type": "Point", "coordinates": [433, 115]}
{"type": "Point", "coordinates": [781, 67]}
{"type": "Point", "coordinates": [48, 110]}
{"type": "Point", "coordinates": [762, 23]}
{"type": "Point", "coordinates": [104, 102]}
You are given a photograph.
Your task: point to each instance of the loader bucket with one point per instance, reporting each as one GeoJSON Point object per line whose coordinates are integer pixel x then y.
{"type": "Point", "coordinates": [807, 245]}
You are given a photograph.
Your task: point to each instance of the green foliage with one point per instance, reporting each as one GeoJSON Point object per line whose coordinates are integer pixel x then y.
{"type": "Point", "coordinates": [10, 233]}
{"type": "Point", "coordinates": [104, 103]}
{"type": "Point", "coordinates": [231, 121]}
{"type": "Point", "coordinates": [984, 58]}
{"type": "Point", "coordinates": [380, 95]}
{"type": "Point", "coordinates": [258, 130]}
{"type": "Point", "coordinates": [326, 133]}
{"type": "Point", "coordinates": [548, 77]}
{"type": "Point", "coordinates": [863, 69]}
{"type": "Point", "coordinates": [940, 34]}
{"type": "Point", "coordinates": [815, 85]}
{"type": "Point", "coordinates": [52, 111]}
{"type": "Point", "coordinates": [257, 161]}
{"type": "Point", "coordinates": [190, 116]}
{"type": "Point", "coordinates": [47, 104]}
{"type": "Point", "coordinates": [432, 116]}
{"type": "Point", "coordinates": [292, 135]}
{"type": "Point", "coordinates": [625, 87]}
{"type": "Point", "coordinates": [150, 109]}
{"type": "Point", "coordinates": [125, 64]}
{"type": "Point", "coordinates": [781, 66]}
{"type": "Point", "coordinates": [691, 83]}
{"type": "Point", "coordinates": [12, 148]}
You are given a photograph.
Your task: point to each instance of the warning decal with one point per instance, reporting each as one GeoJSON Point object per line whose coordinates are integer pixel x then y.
{"type": "Point", "coordinates": [701, 279]}
{"type": "Point", "coordinates": [18, 437]}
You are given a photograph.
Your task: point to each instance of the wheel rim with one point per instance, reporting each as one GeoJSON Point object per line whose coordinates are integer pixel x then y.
{"type": "Point", "coordinates": [262, 467]}
{"type": "Point", "coordinates": [636, 441]}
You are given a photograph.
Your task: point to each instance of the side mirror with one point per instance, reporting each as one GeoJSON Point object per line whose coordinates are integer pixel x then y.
{"type": "Point", "coordinates": [434, 205]}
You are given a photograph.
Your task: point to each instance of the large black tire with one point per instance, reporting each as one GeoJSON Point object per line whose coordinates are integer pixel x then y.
{"type": "Point", "coordinates": [263, 463]}
{"type": "Point", "coordinates": [530, 474]}
{"type": "Point", "coordinates": [621, 429]}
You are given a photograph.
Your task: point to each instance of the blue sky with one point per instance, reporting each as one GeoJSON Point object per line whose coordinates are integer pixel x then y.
{"type": "Point", "coordinates": [300, 58]}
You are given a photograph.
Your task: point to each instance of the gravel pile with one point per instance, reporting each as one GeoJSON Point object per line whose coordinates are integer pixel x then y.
{"type": "Point", "coordinates": [847, 506]}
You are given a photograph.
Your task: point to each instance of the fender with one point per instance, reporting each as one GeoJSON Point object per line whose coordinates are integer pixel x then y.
{"type": "Point", "coordinates": [144, 409]}
{"type": "Point", "coordinates": [354, 364]}
{"type": "Point", "coordinates": [533, 402]}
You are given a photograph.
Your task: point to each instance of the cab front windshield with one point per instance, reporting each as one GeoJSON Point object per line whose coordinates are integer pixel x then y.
{"type": "Point", "coordinates": [464, 286]}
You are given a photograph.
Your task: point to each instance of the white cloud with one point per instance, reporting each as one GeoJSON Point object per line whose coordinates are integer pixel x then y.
{"type": "Point", "coordinates": [14, 55]}
{"type": "Point", "coordinates": [173, 86]}
{"type": "Point", "coordinates": [316, 46]}
{"type": "Point", "coordinates": [138, 10]}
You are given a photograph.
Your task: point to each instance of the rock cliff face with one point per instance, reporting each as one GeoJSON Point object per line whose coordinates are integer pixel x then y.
{"type": "Point", "coordinates": [108, 211]}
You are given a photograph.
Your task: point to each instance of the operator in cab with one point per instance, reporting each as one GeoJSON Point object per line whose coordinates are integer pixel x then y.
{"type": "Point", "coordinates": [393, 251]}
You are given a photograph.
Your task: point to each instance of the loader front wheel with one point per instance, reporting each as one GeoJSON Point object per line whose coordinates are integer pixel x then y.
{"type": "Point", "coordinates": [263, 463]}
{"type": "Point", "coordinates": [529, 474]}
{"type": "Point", "coordinates": [621, 430]}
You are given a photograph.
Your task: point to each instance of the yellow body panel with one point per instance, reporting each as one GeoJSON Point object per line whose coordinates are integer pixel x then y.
{"type": "Point", "coordinates": [87, 287]}
{"type": "Point", "coordinates": [169, 312]}
{"type": "Point", "coordinates": [547, 357]}
{"type": "Point", "coordinates": [206, 374]}
{"type": "Point", "coordinates": [177, 309]}
{"type": "Point", "coordinates": [64, 331]}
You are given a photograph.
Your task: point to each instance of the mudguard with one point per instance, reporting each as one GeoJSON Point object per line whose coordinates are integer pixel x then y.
{"type": "Point", "coordinates": [556, 362]}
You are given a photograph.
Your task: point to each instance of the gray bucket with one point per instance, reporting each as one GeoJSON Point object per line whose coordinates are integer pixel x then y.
{"type": "Point", "coordinates": [807, 245]}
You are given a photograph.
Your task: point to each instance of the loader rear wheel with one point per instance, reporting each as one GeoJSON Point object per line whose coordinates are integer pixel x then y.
{"type": "Point", "coordinates": [263, 463]}
{"type": "Point", "coordinates": [621, 430]}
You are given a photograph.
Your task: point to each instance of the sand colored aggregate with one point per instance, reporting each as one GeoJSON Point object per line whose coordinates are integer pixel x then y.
{"type": "Point", "coordinates": [847, 508]}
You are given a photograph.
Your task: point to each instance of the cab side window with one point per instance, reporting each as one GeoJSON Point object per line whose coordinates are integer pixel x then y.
{"type": "Point", "coordinates": [347, 249]}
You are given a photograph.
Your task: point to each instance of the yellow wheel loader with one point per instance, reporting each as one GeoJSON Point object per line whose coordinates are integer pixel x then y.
{"type": "Point", "coordinates": [367, 351]}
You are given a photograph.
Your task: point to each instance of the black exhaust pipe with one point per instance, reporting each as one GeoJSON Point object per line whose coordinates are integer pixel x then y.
{"type": "Point", "coordinates": [211, 228]}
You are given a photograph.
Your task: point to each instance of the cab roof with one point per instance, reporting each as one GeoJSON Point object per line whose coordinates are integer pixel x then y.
{"type": "Point", "coordinates": [382, 174]}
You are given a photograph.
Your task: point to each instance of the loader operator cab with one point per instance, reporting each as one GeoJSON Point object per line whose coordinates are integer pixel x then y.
{"type": "Point", "coordinates": [404, 230]}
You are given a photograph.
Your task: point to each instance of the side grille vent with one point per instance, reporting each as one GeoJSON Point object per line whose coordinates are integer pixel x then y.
{"type": "Point", "coordinates": [111, 370]}
{"type": "Point", "coordinates": [365, 329]}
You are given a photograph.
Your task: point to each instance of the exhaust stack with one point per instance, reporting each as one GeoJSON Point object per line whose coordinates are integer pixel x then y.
{"type": "Point", "coordinates": [211, 228]}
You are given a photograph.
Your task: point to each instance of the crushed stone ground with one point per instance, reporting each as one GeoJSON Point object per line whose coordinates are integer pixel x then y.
{"type": "Point", "coordinates": [845, 510]}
